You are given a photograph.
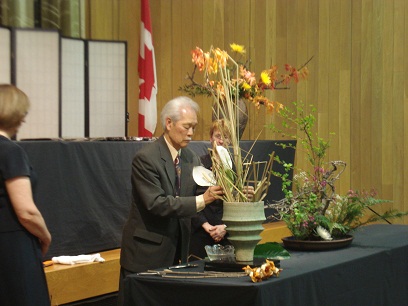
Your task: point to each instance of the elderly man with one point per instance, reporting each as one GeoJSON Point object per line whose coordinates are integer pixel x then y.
{"type": "Point", "coordinates": [157, 231]}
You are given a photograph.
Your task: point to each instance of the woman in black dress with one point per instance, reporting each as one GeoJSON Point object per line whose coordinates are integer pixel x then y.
{"type": "Point", "coordinates": [207, 227]}
{"type": "Point", "coordinates": [24, 237]}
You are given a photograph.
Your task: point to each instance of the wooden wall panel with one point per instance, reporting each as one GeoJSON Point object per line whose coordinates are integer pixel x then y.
{"type": "Point", "coordinates": [177, 36]}
{"type": "Point", "coordinates": [258, 50]}
{"type": "Point", "coordinates": [208, 39]}
{"type": "Point", "coordinates": [384, 82]}
{"type": "Point", "coordinates": [162, 40]}
{"type": "Point", "coordinates": [368, 139]}
{"type": "Point", "coordinates": [355, 108]}
{"type": "Point", "coordinates": [320, 62]}
{"type": "Point", "coordinates": [197, 41]}
{"type": "Point", "coordinates": [128, 30]}
{"type": "Point", "coordinates": [377, 98]}
{"type": "Point", "coordinates": [246, 18]}
{"type": "Point", "coordinates": [403, 203]}
{"type": "Point", "coordinates": [399, 95]}
{"type": "Point", "coordinates": [102, 24]}
{"type": "Point", "coordinates": [358, 76]}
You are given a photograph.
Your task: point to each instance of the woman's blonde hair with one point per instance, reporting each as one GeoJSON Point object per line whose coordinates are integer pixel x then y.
{"type": "Point", "coordinates": [221, 125]}
{"type": "Point", "coordinates": [14, 105]}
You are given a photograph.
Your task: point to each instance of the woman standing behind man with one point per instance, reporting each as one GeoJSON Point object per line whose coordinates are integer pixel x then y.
{"type": "Point", "coordinates": [24, 237]}
{"type": "Point", "coordinates": [207, 227]}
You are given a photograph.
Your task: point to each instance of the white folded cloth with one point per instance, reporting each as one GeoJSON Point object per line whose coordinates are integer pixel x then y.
{"type": "Point", "coordinates": [72, 260]}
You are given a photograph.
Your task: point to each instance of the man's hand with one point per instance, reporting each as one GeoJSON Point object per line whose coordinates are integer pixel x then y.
{"type": "Point", "coordinates": [249, 191]}
{"type": "Point", "coordinates": [212, 193]}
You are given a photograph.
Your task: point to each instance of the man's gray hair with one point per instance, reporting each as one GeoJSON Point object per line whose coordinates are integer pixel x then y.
{"type": "Point", "coordinates": [172, 109]}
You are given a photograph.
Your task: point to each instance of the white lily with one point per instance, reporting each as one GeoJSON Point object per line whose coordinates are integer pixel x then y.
{"type": "Point", "coordinates": [203, 176]}
{"type": "Point", "coordinates": [224, 157]}
{"type": "Point", "coordinates": [323, 233]}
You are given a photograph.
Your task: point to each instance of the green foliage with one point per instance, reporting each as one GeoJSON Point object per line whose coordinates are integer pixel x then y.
{"type": "Point", "coordinates": [195, 90]}
{"type": "Point", "coordinates": [271, 250]}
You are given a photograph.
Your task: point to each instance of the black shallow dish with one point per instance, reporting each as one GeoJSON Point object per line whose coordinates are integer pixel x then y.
{"type": "Point", "coordinates": [228, 266]}
{"type": "Point", "coordinates": [307, 245]}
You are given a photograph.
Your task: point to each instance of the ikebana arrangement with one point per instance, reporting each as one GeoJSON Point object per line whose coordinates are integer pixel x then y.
{"type": "Point", "coordinates": [227, 79]}
{"type": "Point", "coordinates": [311, 208]}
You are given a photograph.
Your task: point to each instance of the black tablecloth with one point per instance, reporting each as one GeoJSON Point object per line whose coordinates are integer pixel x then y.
{"type": "Point", "coordinates": [372, 271]}
{"type": "Point", "coordinates": [84, 189]}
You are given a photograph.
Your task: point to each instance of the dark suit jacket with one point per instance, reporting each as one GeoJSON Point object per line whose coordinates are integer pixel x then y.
{"type": "Point", "coordinates": [157, 218]}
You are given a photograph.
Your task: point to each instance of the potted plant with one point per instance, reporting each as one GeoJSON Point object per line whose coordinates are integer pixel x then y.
{"type": "Point", "coordinates": [317, 216]}
{"type": "Point", "coordinates": [227, 81]}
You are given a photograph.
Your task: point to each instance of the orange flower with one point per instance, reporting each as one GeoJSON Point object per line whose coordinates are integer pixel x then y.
{"type": "Point", "coordinates": [248, 76]}
{"type": "Point", "coordinates": [221, 57]}
{"type": "Point", "coordinates": [212, 66]}
{"type": "Point", "coordinates": [198, 58]}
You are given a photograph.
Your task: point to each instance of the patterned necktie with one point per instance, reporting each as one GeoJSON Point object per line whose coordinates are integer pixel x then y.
{"type": "Point", "coordinates": [178, 174]}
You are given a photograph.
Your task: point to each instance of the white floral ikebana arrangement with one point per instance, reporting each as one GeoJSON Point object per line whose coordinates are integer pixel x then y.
{"type": "Point", "coordinates": [312, 209]}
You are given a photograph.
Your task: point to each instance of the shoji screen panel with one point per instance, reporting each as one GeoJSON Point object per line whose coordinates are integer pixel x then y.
{"type": "Point", "coordinates": [5, 63]}
{"type": "Point", "coordinates": [72, 88]}
{"type": "Point", "coordinates": [107, 88]}
{"type": "Point", "coordinates": [37, 56]}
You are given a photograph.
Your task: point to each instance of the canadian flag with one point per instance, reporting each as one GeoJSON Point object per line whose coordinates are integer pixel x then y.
{"type": "Point", "coordinates": [147, 76]}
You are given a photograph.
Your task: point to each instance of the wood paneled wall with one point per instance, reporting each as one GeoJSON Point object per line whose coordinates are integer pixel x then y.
{"type": "Point", "coordinates": [358, 80]}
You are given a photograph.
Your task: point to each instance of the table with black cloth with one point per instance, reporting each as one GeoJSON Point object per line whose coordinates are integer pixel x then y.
{"type": "Point", "coordinates": [84, 188]}
{"type": "Point", "coordinates": [373, 270]}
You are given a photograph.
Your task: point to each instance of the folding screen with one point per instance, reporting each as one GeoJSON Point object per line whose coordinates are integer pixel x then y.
{"type": "Point", "coordinates": [77, 88]}
{"type": "Point", "coordinates": [5, 64]}
{"type": "Point", "coordinates": [107, 88]}
{"type": "Point", "coordinates": [72, 88]}
{"type": "Point", "coordinates": [37, 74]}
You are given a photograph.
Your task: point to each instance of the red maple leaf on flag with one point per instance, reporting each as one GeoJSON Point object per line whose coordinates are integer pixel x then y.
{"type": "Point", "coordinates": [147, 76]}
{"type": "Point", "coordinates": [146, 71]}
